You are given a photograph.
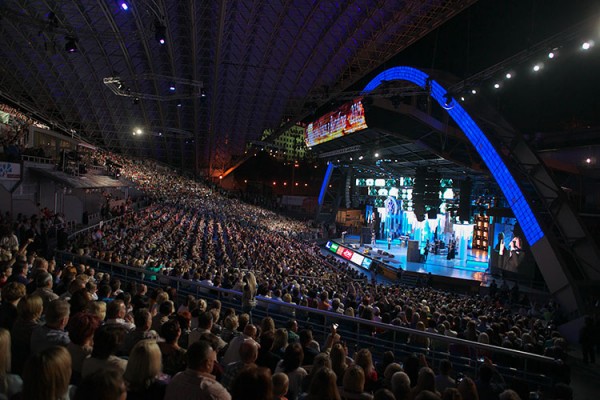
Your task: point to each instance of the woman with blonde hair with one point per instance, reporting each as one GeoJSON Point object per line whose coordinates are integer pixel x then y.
{"type": "Point", "coordinates": [10, 384]}
{"type": "Point", "coordinates": [143, 371]}
{"type": "Point", "coordinates": [47, 374]}
{"type": "Point", "coordinates": [354, 384]}
{"type": "Point", "coordinates": [249, 293]}
{"type": "Point", "coordinates": [29, 312]}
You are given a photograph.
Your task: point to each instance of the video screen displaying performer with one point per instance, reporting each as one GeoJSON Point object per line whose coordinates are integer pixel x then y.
{"type": "Point", "coordinates": [508, 245]}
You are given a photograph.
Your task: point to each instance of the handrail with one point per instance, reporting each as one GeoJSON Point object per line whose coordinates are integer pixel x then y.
{"type": "Point", "coordinates": [328, 314]}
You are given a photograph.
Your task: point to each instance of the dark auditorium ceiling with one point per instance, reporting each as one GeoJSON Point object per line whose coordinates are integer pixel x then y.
{"type": "Point", "coordinates": [237, 67]}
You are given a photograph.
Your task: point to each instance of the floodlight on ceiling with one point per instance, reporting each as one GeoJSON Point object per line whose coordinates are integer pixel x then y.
{"type": "Point", "coordinates": [160, 33]}
{"type": "Point", "coordinates": [70, 44]}
{"type": "Point", "coordinates": [587, 45]}
{"type": "Point", "coordinates": [124, 6]}
{"type": "Point", "coordinates": [508, 75]}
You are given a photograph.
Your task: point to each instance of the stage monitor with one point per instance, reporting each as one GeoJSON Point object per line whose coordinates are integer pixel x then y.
{"type": "Point", "coordinates": [348, 118]}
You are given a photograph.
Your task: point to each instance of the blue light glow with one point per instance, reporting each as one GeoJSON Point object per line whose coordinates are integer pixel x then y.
{"type": "Point", "coordinates": [532, 230]}
{"type": "Point", "coordinates": [325, 182]}
{"type": "Point", "coordinates": [124, 6]}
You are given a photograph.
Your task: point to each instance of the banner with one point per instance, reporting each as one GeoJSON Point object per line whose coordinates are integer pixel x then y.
{"type": "Point", "coordinates": [10, 171]}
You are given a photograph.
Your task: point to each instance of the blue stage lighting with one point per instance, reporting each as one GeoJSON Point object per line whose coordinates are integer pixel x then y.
{"type": "Point", "coordinates": [532, 230]}
{"type": "Point", "coordinates": [124, 6]}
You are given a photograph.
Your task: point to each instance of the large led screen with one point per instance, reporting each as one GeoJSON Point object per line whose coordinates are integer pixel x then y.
{"type": "Point", "coordinates": [350, 117]}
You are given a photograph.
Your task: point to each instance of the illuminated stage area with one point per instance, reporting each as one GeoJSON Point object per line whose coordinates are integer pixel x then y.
{"type": "Point", "coordinates": [472, 265]}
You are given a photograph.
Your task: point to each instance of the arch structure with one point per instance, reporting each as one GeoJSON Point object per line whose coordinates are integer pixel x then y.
{"type": "Point", "coordinates": [556, 274]}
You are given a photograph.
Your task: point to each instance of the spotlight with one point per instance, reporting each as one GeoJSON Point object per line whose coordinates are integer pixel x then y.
{"type": "Point", "coordinates": [124, 6]}
{"type": "Point", "coordinates": [70, 44]}
{"type": "Point", "coordinates": [588, 160]}
{"type": "Point", "coordinates": [551, 55]}
{"type": "Point", "coordinates": [586, 45]}
{"type": "Point", "coordinates": [360, 158]}
{"type": "Point", "coordinates": [160, 33]}
{"type": "Point", "coordinates": [496, 86]}
{"type": "Point", "coordinates": [537, 67]}
{"type": "Point", "coordinates": [448, 101]}
{"type": "Point", "coordinates": [474, 91]}
{"type": "Point", "coordinates": [172, 87]}
{"type": "Point", "coordinates": [508, 75]}
{"type": "Point", "coordinates": [179, 104]}
{"type": "Point", "coordinates": [376, 155]}
{"type": "Point", "coordinates": [462, 98]}
{"type": "Point", "coordinates": [202, 92]}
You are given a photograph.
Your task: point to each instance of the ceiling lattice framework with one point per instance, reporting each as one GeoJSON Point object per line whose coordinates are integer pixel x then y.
{"type": "Point", "coordinates": [260, 63]}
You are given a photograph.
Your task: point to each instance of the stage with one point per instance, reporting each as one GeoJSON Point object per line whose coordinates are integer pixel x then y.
{"type": "Point", "coordinates": [472, 266]}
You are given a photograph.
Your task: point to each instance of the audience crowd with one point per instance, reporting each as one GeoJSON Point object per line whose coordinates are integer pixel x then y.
{"type": "Point", "coordinates": [68, 331]}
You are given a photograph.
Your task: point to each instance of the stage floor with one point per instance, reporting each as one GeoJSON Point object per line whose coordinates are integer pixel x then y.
{"type": "Point", "coordinates": [473, 265]}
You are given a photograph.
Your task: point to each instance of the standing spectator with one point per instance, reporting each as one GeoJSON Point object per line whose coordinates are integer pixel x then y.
{"type": "Point", "coordinates": [196, 382]}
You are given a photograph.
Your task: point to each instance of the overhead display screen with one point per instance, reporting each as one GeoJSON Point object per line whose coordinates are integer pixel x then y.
{"type": "Point", "coordinates": [348, 118]}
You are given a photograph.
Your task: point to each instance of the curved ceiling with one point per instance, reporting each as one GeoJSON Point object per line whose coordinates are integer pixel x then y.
{"type": "Point", "coordinates": [237, 67]}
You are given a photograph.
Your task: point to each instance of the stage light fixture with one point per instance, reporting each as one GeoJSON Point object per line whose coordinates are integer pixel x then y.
{"type": "Point", "coordinates": [136, 100]}
{"type": "Point", "coordinates": [474, 91]}
{"type": "Point", "coordinates": [160, 33]}
{"type": "Point", "coordinates": [172, 87]}
{"type": "Point", "coordinates": [586, 45]}
{"type": "Point", "coordinates": [124, 6]}
{"type": "Point", "coordinates": [202, 92]}
{"type": "Point", "coordinates": [179, 104]}
{"type": "Point", "coordinates": [376, 155]}
{"type": "Point", "coordinates": [70, 44]}
{"type": "Point", "coordinates": [551, 55]}
{"type": "Point", "coordinates": [496, 86]}
{"type": "Point", "coordinates": [360, 158]}
{"type": "Point", "coordinates": [462, 98]}
{"type": "Point", "coordinates": [588, 160]}
{"type": "Point", "coordinates": [537, 67]}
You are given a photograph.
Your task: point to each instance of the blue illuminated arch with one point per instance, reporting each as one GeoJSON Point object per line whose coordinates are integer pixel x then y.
{"type": "Point", "coordinates": [532, 230]}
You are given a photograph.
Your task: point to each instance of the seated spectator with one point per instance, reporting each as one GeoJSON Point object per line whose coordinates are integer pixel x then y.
{"type": "Point", "coordinates": [173, 356]}
{"type": "Point", "coordinates": [205, 324]}
{"type": "Point", "coordinates": [401, 386]}
{"type": "Point", "coordinates": [248, 354]}
{"type": "Point", "coordinates": [53, 332]}
{"type": "Point", "coordinates": [364, 359]}
{"type": "Point", "coordinates": [310, 347]}
{"type": "Point", "coordinates": [443, 380]}
{"type": "Point", "coordinates": [12, 293]}
{"type": "Point", "coordinates": [29, 312]}
{"type": "Point", "coordinates": [323, 386]}
{"type": "Point", "coordinates": [81, 329]}
{"type": "Point", "coordinates": [290, 364]}
{"type": "Point", "coordinates": [425, 382]}
{"type": "Point", "coordinates": [116, 314]}
{"type": "Point", "coordinates": [467, 389]}
{"type": "Point", "coordinates": [143, 372]}
{"type": "Point", "coordinates": [165, 310]}
{"type": "Point", "coordinates": [354, 384]}
{"type": "Point", "coordinates": [10, 384]}
{"type": "Point", "coordinates": [98, 308]}
{"type": "Point", "coordinates": [142, 320]}
{"type": "Point", "coordinates": [266, 358]}
{"type": "Point", "coordinates": [47, 374]}
{"type": "Point", "coordinates": [196, 382]}
{"type": "Point", "coordinates": [252, 383]}
{"type": "Point", "coordinates": [107, 340]}
{"type": "Point", "coordinates": [44, 284]}
{"type": "Point", "coordinates": [104, 384]}
{"type": "Point", "coordinates": [232, 354]}
{"type": "Point", "coordinates": [280, 386]}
